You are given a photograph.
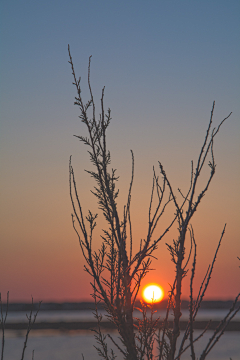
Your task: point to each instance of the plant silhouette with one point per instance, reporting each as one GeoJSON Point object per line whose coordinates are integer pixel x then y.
{"type": "Point", "coordinates": [116, 272]}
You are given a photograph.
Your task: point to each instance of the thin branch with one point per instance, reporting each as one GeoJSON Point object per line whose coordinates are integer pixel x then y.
{"type": "Point", "coordinates": [3, 322]}
{"type": "Point", "coordinates": [30, 325]}
{"type": "Point", "coordinates": [191, 321]}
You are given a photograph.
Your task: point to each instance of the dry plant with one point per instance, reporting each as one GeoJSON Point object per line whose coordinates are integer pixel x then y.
{"type": "Point", "coordinates": [31, 320]}
{"type": "Point", "coordinates": [115, 271]}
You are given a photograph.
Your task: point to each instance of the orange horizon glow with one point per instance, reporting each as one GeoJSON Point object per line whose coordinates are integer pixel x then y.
{"type": "Point", "coordinates": [152, 293]}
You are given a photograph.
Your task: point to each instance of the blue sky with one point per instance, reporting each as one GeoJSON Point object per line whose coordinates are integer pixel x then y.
{"type": "Point", "coordinates": [162, 62]}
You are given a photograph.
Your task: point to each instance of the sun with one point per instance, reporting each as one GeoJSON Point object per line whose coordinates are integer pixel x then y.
{"type": "Point", "coordinates": [152, 293]}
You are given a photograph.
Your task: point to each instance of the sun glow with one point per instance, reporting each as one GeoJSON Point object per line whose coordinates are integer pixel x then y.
{"type": "Point", "coordinates": [152, 293]}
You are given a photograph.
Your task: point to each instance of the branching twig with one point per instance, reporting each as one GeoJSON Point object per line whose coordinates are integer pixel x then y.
{"type": "Point", "coordinates": [30, 325]}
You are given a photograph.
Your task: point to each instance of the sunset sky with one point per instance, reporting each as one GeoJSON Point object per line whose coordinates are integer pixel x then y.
{"type": "Point", "coordinates": [163, 63]}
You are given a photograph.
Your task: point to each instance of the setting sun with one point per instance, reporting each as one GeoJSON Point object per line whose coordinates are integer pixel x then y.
{"type": "Point", "coordinates": [152, 293]}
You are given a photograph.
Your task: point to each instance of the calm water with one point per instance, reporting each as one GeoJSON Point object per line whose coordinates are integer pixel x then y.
{"type": "Point", "coordinates": [71, 346]}
{"type": "Point", "coordinates": [49, 345]}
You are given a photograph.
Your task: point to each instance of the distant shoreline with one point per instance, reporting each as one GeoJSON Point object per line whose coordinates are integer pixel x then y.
{"type": "Point", "coordinates": [81, 306]}
{"type": "Point", "coordinates": [88, 325]}
{"type": "Point", "coordinates": [65, 326]}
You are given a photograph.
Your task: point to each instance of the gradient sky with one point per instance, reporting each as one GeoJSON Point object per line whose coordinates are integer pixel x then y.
{"type": "Point", "coordinates": [163, 63]}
